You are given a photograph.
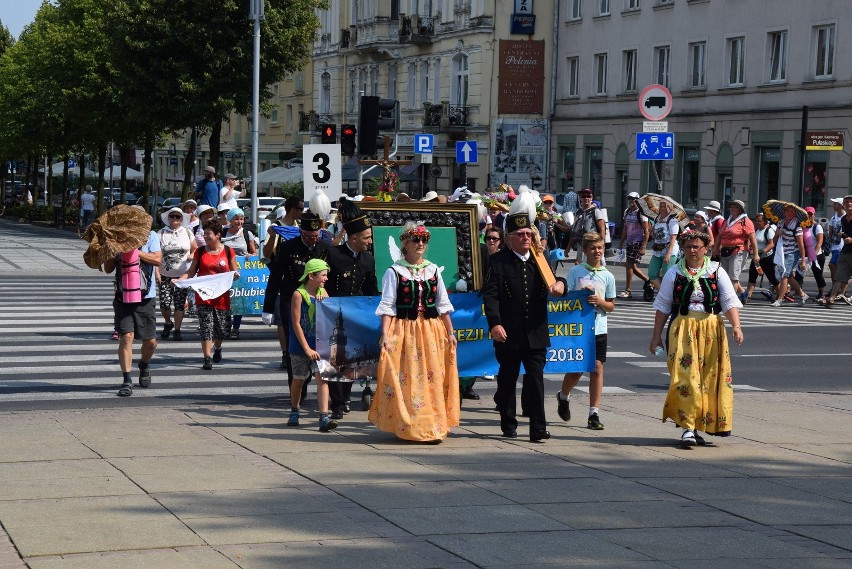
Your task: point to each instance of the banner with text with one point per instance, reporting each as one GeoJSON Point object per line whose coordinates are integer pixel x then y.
{"type": "Point", "coordinates": [348, 333]}
{"type": "Point", "coordinates": [248, 290]}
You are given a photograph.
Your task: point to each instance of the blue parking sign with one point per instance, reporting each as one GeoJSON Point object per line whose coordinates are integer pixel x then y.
{"type": "Point", "coordinates": [424, 143]}
{"type": "Point", "coordinates": [654, 146]}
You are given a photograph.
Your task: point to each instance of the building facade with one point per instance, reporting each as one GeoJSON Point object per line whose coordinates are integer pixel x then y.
{"type": "Point", "coordinates": [742, 75]}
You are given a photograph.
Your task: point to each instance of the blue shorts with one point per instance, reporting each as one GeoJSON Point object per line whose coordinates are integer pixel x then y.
{"type": "Point", "coordinates": [835, 253]}
{"type": "Point", "coordinates": [791, 262]}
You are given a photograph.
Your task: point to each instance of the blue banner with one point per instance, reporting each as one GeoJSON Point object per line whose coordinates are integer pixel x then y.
{"type": "Point", "coordinates": [349, 330]}
{"type": "Point", "coordinates": [248, 291]}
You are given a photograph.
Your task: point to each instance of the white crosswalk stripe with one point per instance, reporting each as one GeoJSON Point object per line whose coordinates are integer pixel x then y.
{"type": "Point", "coordinates": [758, 313]}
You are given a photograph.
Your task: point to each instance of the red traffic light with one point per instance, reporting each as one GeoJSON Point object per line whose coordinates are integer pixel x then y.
{"type": "Point", "coordinates": [328, 133]}
{"type": "Point", "coordinates": [349, 130]}
{"type": "Point", "coordinates": [347, 139]}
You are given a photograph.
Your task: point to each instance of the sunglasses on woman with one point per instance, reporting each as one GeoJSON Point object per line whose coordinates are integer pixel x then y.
{"type": "Point", "coordinates": [492, 238]}
{"type": "Point", "coordinates": [418, 239]}
{"type": "Point", "coordinates": [176, 217]}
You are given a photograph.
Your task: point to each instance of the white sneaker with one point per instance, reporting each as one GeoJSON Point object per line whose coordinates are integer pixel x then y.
{"type": "Point", "coordinates": [805, 297]}
{"type": "Point", "coordinates": [776, 304]}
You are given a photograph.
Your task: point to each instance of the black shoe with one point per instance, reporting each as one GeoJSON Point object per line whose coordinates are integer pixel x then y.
{"type": "Point", "coordinates": [469, 393]}
{"type": "Point", "coordinates": [208, 364]}
{"type": "Point", "coordinates": [126, 390]}
{"type": "Point", "coordinates": [167, 330]}
{"type": "Point", "coordinates": [336, 415]}
{"type": "Point", "coordinates": [347, 406]}
{"type": "Point", "coordinates": [538, 436]}
{"type": "Point", "coordinates": [510, 433]}
{"type": "Point", "coordinates": [595, 422]}
{"type": "Point", "coordinates": [648, 291]}
{"type": "Point", "coordinates": [562, 407]}
{"type": "Point", "coordinates": [699, 439]}
{"type": "Point", "coordinates": [144, 377]}
{"type": "Point", "coordinates": [217, 355]}
{"type": "Point", "coordinates": [177, 337]}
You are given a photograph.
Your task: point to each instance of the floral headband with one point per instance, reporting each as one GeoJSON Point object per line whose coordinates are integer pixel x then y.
{"type": "Point", "coordinates": [416, 231]}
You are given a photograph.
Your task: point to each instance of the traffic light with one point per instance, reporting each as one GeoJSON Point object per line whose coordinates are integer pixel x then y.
{"type": "Point", "coordinates": [329, 133]}
{"type": "Point", "coordinates": [347, 139]}
{"type": "Point", "coordinates": [376, 115]}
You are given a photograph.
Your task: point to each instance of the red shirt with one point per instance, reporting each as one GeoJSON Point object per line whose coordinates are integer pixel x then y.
{"type": "Point", "coordinates": [211, 264]}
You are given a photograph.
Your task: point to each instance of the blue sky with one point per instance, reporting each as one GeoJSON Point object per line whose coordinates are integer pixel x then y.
{"type": "Point", "coordinates": [18, 13]}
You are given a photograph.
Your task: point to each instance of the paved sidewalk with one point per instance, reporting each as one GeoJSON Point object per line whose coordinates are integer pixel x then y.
{"type": "Point", "coordinates": [216, 487]}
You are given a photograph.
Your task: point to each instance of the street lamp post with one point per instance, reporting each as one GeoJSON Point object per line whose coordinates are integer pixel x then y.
{"type": "Point", "coordinates": [256, 14]}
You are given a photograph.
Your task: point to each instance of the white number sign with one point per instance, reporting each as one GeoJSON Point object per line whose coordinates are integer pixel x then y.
{"type": "Point", "coordinates": [322, 170]}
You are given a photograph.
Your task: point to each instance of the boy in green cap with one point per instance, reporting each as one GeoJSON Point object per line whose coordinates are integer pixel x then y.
{"type": "Point", "coordinates": [303, 340]}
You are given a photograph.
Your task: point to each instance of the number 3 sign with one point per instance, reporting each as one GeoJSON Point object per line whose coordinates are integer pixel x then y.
{"type": "Point", "coordinates": [321, 164]}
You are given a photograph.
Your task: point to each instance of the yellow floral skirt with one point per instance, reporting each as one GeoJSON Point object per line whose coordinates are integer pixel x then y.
{"type": "Point", "coordinates": [701, 395]}
{"type": "Point", "coordinates": [417, 383]}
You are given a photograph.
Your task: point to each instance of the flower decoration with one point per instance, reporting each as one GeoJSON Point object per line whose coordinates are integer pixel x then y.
{"type": "Point", "coordinates": [417, 230]}
{"type": "Point", "coordinates": [388, 186]}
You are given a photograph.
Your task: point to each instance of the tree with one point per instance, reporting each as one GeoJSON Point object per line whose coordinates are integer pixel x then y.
{"type": "Point", "coordinates": [7, 40]}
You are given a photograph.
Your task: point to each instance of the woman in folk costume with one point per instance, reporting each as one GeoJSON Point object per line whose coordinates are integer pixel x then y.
{"type": "Point", "coordinates": [417, 388]}
{"type": "Point", "coordinates": [696, 290]}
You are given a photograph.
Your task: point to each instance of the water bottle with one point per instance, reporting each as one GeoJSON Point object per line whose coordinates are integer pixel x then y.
{"type": "Point", "coordinates": [659, 352]}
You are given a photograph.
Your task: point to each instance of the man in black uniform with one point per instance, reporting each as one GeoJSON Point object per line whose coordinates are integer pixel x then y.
{"type": "Point", "coordinates": [515, 297]}
{"type": "Point", "coordinates": [353, 273]}
{"type": "Point", "coordinates": [285, 270]}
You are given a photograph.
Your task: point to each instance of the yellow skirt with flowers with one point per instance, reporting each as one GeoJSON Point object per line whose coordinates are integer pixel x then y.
{"type": "Point", "coordinates": [701, 395]}
{"type": "Point", "coordinates": [417, 385]}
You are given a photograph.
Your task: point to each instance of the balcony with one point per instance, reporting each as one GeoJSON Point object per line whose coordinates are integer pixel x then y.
{"type": "Point", "coordinates": [348, 38]}
{"type": "Point", "coordinates": [308, 122]}
{"type": "Point", "coordinates": [446, 117]}
{"type": "Point", "coordinates": [375, 36]}
{"type": "Point", "coordinates": [416, 29]}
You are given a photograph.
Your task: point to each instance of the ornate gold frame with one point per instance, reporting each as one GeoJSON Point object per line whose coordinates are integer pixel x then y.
{"type": "Point", "coordinates": [463, 217]}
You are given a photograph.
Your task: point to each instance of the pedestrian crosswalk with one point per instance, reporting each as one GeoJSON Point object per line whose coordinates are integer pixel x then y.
{"type": "Point", "coordinates": [55, 345]}
{"type": "Point", "coordinates": [635, 313]}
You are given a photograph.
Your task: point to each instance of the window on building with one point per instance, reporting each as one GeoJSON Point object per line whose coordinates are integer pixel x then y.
{"type": "Point", "coordinates": [824, 52]}
{"type": "Point", "coordinates": [594, 169]}
{"type": "Point", "coordinates": [353, 92]}
{"type": "Point", "coordinates": [736, 62]}
{"type": "Point", "coordinates": [436, 83]}
{"type": "Point", "coordinates": [629, 81]}
{"type": "Point", "coordinates": [567, 174]}
{"type": "Point", "coordinates": [288, 117]}
{"type": "Point", "coordinates": [458, 96]}
{"type": "Point", "coordinates": [631, 4]}
{"type": "Point", "coordinates": [603, 7]}
{"type": "Point", "coordinates": [273, 116]}
{"type": "Point", "coordinates": [816, 167]}
{"type": "Point", "coordinates": [374, 81]}
{"type": "Point", "coordinates": [769, 173]}
{"type": "Point", "coordinates": [573, 77]}
{"type": "Point", "coordinates": [325, 93]}
{"type": "Point", "coordinates": [777, 46]}
{"type": "Point", "coordinates": [696, 63]}
{"type": "Point", "coordinates": [600, 74]}
{"type": "Point", "coordinates": [662, 57]}
{"type": "Point", "coordinates": [424, 82]}
{"type": "Point", "coordinates": [689, 177]}
{"type": "Point", "coordinates": [412, 79]}
{"type": "Point", "coordinates": [392, 82]}
{"type": "Point", "coordinates": [576, 9]}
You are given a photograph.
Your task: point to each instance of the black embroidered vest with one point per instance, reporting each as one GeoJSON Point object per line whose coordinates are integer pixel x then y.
{"type": "Point", "coordinates": [683, 288]}
{"type": "Point", "coordinates": [408, 294]}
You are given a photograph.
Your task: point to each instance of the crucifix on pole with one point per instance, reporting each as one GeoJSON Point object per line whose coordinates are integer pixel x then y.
{"type": "Point", "coordinates": [385, 162]}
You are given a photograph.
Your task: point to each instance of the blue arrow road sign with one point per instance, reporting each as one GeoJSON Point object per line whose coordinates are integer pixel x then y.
{"type": "Point", "coordinates": [654, 146]}
{"type": "Point", "coordinates": [424, 143]}
{"type": "Point", "coordinates": [466, 152]}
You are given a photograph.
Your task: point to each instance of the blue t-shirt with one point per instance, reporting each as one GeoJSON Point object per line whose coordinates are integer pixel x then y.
{"type": "Point", "coordinates": [209, 190]}
{"type": "Point", "coordinates": [152, 246]}
{"type": "Point", "coordinates": [579, 278]}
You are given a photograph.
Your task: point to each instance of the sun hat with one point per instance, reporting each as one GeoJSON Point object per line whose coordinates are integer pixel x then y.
{"type": "Point", "coordinates": [165, 216]}
{"type": "Point", "coordinates": [702, 215]}
{"type": "Point", "coordinates": [223, 207]}
{"type": "Point", "coordinates": [738, 203]}
{"type": "Point", "coordinates": [202, 209]}
{"type": "Point", "coordinates": [633, 195]}
{"type": "Point", "coordinates": [430, 196]}
{"type": "Point", "coordinates": [189, 202]}
{"type": "Point", "coordinates": [838, 201]}
{"type": "Point", "coordinates": [714, 205]}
